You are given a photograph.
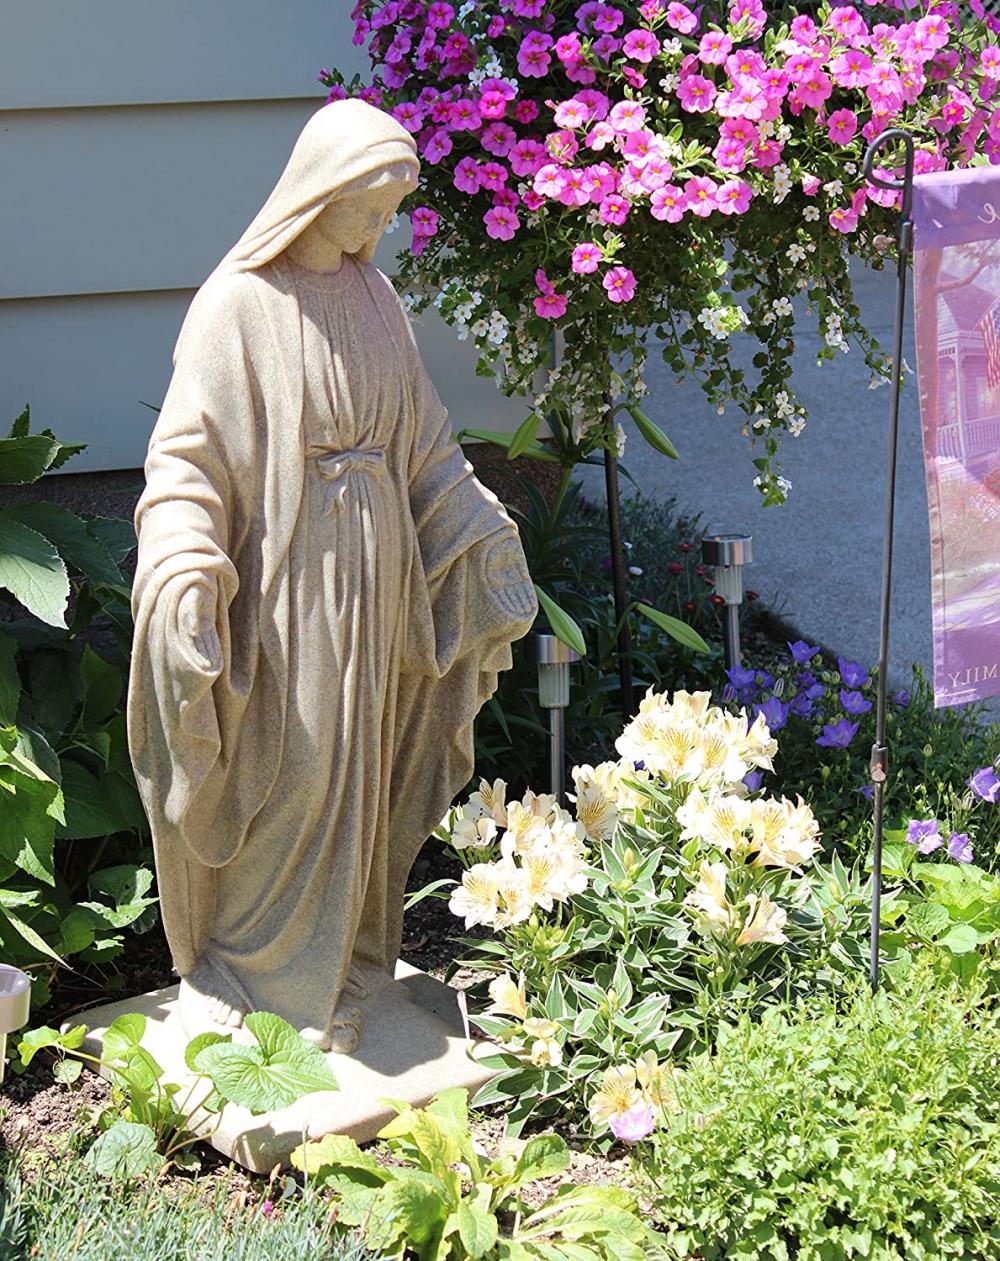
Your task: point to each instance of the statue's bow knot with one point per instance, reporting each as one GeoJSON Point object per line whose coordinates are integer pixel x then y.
{"type": "Point", "coordinates": [336, 467]}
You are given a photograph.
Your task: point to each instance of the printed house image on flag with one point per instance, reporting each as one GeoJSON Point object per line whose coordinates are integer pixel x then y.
{"type": "Point", "coordinates": [969, 367]}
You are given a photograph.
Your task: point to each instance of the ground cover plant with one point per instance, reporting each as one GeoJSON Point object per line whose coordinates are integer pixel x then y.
{"type": "Point", "coordinates": [51, 1210]}
{"type": "Point", "coordinates": [439, 1197]}
{"type": "Point", "coordinates": [151, 1120]}
{"type": "Point", "coordinates": [832, 1130]}
{"type": "Point", "coordinates": [942, 785]}
{"type": "Point", "coordinates": [74, 873]}
{"type": "Point", "coordinates": [609, 169]}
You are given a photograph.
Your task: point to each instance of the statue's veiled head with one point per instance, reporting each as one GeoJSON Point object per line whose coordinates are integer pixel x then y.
{"type": "Point", "coordinates": [350, 168]}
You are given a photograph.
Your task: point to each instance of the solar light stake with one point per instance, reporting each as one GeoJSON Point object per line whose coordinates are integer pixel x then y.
{"type": "Point", "coordinates": [554, 660]}
{"type": "Point", "coordinates": [15, 1001]}
{"type": "Point", "coordinates": [728, 553]}
{"type": "Point", "coordinates": [880, 749]}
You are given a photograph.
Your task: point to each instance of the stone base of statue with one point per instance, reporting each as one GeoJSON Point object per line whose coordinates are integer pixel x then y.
{"type": "Point", "coordinates": [414, 1045]}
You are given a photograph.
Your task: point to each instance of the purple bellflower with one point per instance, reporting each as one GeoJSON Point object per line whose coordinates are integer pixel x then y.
{"type": "Point", "coordinates": [802, 653]}
{"type": "Point", "coordinates": [854, 703]}
{"type": "Point", "coordinates": [775, 712]}
{"type": "Point", "coordinates": [986, 784]}
{"type": "Point", "coordinates": [838, 735]}
{"type": "Point", "coordinates": [960, 847]}
{"type": "Point", "coordinates": [925, 834]}
{"type": "Point", "coordinates": [752, 781]}
{"type": "Point", "coordinates": [853, 674]}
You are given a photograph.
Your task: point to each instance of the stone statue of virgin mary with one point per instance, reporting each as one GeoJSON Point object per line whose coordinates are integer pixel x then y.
{"type": "Point", "coordinates": [324, 598]}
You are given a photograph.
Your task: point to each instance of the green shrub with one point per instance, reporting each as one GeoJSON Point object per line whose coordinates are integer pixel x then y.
{"type": "Point", "coordinates": [71, 822]}
{"type": "Point", "coordinates": [826, 1134]}
{"type": "Point", "coordinates": [61, 1209]}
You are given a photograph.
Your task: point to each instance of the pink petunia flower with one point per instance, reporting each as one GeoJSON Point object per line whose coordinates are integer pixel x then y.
{"type": "Point", "coordinates": [614, 210]}
{"type": "Point", "coordinates": [851, 69]}
{"type": "Point", "coordinates": [680, 17]}
{"type": "Point", "coordinates": [714, 48]}
{"type": "Point", "coordinates": [730, 155]}
{"type": "Point", "coordinates": [425, 221]}
{"type": "Point", "coordinates": [844, 220]}
{"type": "Point", "coordinates": [549, 180]}
{"type": "Point", "coordinates": [734, 197]}
{"type": "Point", "coordinates": [600, 136]}
{"type": "Point", "coordinates": [619, 284]}
{"type": "Point", "coordinates": [586, 258]}
{"type": "Point", "coordinates": [526, 157]}
{"type": "Point", "coordinates": [633, 1125]}
{"type": "Point", "coordinates": [551, 306]}
{"type": "Point", "coordinates": [526, 112]}
{"type": "Point", "coordinates": [627, 116]}
{"type": "Point", "coordinates": [842, 126]}
{"type": "Point", "coordinates": [668, 204]}
{"type": "Point", "coordinates": [492, 175]}
{"type": "Point", "coordinates": [641, 45]}
{"type": "Point", "coordinates": [989, 61]}
{"type": "Point", "coordinates": [699, 194]}
{"type": "Point", "coordinates": [696, 93]}
{"type": "Point", "coordinates": [501, 223]}
{"type": "Point", "coordinates": [497, 138]}
{"type": "Point", "coordinates": [572, 113]}
{"type": "Point", "coordinates": [438, 147]}
{"type": "Point", "coordinates": [466, 178]}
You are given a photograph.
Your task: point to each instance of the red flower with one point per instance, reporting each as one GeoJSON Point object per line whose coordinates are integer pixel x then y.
{"type": "Point", "coordinates": [716, 599]}
{"type": "Point", "coordinates": [675, 567]}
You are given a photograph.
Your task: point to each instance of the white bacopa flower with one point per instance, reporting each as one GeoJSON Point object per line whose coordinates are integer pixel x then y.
{"type": "Point", "coordinates": [811, 214]}
{"type": "Point", "coordinates": [670, 82]}
{"type": "Point", "coordinates": [782, 306]}
{"type": "Point", "coordinates": [796, 253]}
{"type": "Point", "coordinates": [834, 187]}
{"type": "Point", "coordinates": [796, 426]}
{"type": "Point", "coordinates": [671, 48]}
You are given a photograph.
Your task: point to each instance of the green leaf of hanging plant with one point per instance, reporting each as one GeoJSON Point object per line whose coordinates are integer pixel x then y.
{"type": "Point", "coordinates": [675, 628]}
{"type": "Point", "coordinates": [563, 626]}
{"type": "Point", "coordinates": [31, 570]}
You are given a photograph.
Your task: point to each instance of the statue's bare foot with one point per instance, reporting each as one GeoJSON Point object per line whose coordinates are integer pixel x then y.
{"type": "Point", "coordinates": [207, 1004]}
{"type": "Point", "coordinates": [342, 1032]}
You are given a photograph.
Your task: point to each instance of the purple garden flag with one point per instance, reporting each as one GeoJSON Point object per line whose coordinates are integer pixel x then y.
{"type": "Point", "coordinates": [957, 264]}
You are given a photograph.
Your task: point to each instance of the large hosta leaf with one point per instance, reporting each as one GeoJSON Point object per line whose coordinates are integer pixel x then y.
{"type": "Point", "coordinates": [274, 1074]}
{"type": "Point", "coordinates": [32, 571]}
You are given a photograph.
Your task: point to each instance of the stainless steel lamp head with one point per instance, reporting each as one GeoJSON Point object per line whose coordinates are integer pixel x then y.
{"type": "Point", "coordinates": [15, 1003]}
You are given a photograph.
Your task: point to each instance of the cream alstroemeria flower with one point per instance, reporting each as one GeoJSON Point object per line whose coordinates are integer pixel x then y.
{"type": "Point", "coordinates": [491, 800]}
{"type": "Point", "coordinates": [543, 805]}
{"type": "Point", "coordinates": [509, 999]}
{"type": "Point", "coordinates": [545, 1049]}
{"type": "Point", "coordinates": [687, 706]}
{"type": "Point", "coordinates": [722, 757]}
{"type": "Point", "coordinates": [784, 834]}
{"type": "Point", "coordinates": [597, 811]}
{"type": "Point", "coordinates": [513, 895]}
{"type": "Point", "coordinates": [476, 899]}
{"type": "Point", "coordinates": [475, 831]}
{"type": "Point", "coordinates": [523, 829]}
{"type": "Point", "coordinates": [708, 898]}
{"type": "Point", "coordinates": [656, 1081]}
{"type": "Point", "coordinates": [765, 921]}
{"type": "Point", "coordinates": [617, 1093]}
{"type": "Point", "coordinates": [761, 746]}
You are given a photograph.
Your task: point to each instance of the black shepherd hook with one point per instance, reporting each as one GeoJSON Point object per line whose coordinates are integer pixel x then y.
{"type": "Point", "coordinates": [880, 749]}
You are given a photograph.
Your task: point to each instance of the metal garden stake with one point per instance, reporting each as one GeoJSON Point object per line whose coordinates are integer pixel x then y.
{"type": "Point", "coordinates": [880, 750]}
{"type": "Point", "coordinates": [554, 660]}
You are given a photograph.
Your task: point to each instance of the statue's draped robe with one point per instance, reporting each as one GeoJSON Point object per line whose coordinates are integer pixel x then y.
{"type": "Point", "coordinates": [368, 591]}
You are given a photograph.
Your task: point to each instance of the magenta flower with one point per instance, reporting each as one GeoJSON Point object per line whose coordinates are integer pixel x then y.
{"type": "Point", "coordinates": [696, 93]}
{"type": "Point", "coordinates": [619, 284]}
{"type": "Point", "coordinates": [549, 180]}
{"type": "Point", "coordinates": [627, 116]}
{"type": "Point", "coordinates": [851, 69]}
{"type": "Point", "coordinates": [842, 126]}
{"type": "Point", "coordinates": [985, 784]}
{"type": "Point", "coordinates": [633, 1125]}
{"type": "Point", "coordinates": [843, 219]}
{"type": "Point", "coordinates": [498, 138]}
{"type": "Point", "coordinates": [733, 197]}
{"type": "Point", "coordinates": [668, 204]}
{"type": "Point", "coordinates": [440, 16]}
{"type": "Point", "coordinates": [960, 847]}
{"type": "Point", "coordinates": [466, 178]}
{"type": "Point", "coordinates": [640, 45]}
{"type": "Point", "coordinates": [699, 194]}
{"type": "Point", "coordinates": [425, 221]}
{"type": "Point", "coordinates": [586, 258]}
{"type": "Point", "coordinates": [437, 147]}
{"type": "Point", "coordinates": [501, 223]}
{"type": "Point", "coordinates": [614, 210]}
{"type": "Point", "coordinates": [572, 113]}
{"type": "Point", "coordinates": [551, 306]}
{"type": "Point", "coordinates": [680, 17]}
{"type": "Point", "coordinates": [989, 61]}
{"type": "Point", "coordinates": [925, 835]}
{"type": "Point", "coordinates": [410, 115]}
{"type": "Point", "coordinates": [714, 48]}
{"type": "Point", "coordinates": [526, 112]}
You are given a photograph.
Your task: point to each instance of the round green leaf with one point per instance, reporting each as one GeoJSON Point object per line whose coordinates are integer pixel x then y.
{"type": "Point", "coordinates": [126, 1150]}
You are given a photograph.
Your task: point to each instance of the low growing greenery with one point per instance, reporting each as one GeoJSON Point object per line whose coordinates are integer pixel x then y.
{"type": "Point", "coordinates": [826, 1132]}
{"type": "Point", "coordinates": [60, 1210]}
{"type": "Point", "coordinates": [441, 1199]}
{"type": "Point", "coordinates": [71, 823]}
{"type": "Point", "coordinates": [152, 1121]}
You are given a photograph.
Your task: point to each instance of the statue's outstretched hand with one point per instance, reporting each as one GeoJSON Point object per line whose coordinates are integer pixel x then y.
{"type": "Point", "coordinates": [196, 621]}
